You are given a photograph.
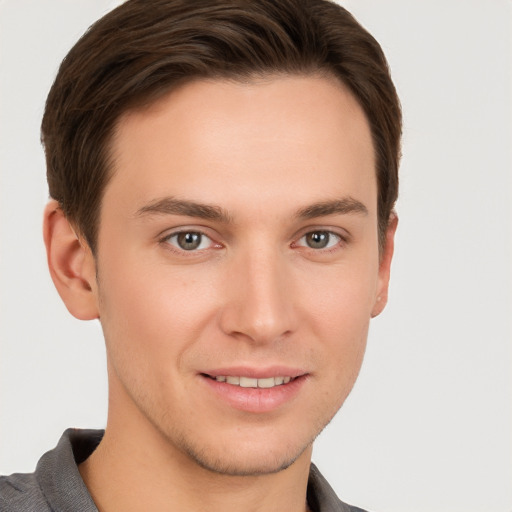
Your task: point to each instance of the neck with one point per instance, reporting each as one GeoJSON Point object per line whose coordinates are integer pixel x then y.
{"type": "Point", "coordinates": [136, 468]}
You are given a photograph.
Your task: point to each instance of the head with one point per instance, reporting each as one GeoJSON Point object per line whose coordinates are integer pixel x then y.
{"type": "Point", "coordinates": [135, 55]}
{"type": "Point", "coordinates": [225, 174]}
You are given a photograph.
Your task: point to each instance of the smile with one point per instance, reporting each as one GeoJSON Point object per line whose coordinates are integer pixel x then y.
{"type": "Point", "coordinates": [256, 390]}
{"type": "Point", "coordinates": [249, 382]}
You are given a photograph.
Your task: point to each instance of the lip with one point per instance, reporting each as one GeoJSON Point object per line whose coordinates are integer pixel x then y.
{"type": "Point", "coordinates": [257, 373]}
{"type": "Point", "coordinates": [255, 400]}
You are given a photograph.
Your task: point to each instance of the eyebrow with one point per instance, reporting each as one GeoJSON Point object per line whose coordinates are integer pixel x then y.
{"type": "Point", "coordinates": [173, 206]}
{"type": "Point", "coordinates": [341, 206]}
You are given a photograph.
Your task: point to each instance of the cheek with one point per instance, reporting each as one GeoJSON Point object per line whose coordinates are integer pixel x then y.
{"type": "Point", "coordinates": [343, 297]}
{"type": "Point", "coordinates": [152, 312]}
{"type": "Point", "coordinates": [340, 312]}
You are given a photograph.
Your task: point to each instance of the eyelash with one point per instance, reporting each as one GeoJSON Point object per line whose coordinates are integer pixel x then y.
{"type": "Point", "coordinates": [340, 240]}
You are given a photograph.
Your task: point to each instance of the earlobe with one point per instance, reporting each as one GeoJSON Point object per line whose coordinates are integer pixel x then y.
{"type": "Point", "coordinates": [381, 298]}
{"type": "Point", "coordinates": [71, 264]}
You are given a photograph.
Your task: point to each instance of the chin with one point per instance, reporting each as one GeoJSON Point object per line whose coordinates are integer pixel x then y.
{"type": "Point", "coordinates": [232, 457]}
{"type": "Point", "coordinates": [243, 463]}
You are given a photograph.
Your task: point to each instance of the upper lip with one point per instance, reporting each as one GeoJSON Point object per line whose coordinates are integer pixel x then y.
{"type": "Point", "coordinates": [256, 373]}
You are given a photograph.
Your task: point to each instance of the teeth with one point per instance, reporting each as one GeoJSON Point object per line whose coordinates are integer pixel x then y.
{"type": "Point", "coordinates": [249, 382]}
{"type": "Point", "coordinates": [246, 382]}
{"type": "Point", "coordinates": [267, 383]}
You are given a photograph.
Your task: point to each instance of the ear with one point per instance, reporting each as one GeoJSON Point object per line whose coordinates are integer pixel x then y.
{"type": "Point", "coordinates": [71, 263]}
{"type": "Point", "coordinates": [386, 256]}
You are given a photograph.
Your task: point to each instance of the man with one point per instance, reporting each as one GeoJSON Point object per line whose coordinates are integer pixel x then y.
{"type": "Point", "coordinates": [223, 176]}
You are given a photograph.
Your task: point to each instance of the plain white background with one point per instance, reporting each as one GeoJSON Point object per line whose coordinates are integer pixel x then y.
{"type": "Point", "coordinates": [428, 426]}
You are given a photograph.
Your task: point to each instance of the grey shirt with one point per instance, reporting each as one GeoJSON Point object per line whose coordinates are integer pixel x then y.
{"type": "Point", "coordinates": [56, 484]}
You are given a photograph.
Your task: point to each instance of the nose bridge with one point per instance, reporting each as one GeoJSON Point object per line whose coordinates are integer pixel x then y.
{"type": "Point", "coordinates": [259, 303]}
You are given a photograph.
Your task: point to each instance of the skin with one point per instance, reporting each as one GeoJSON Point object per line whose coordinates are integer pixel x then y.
{"type": "Point", "coordinates": [256, 294]}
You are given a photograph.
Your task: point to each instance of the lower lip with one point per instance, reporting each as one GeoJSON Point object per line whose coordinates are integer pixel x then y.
{"type": "Point", "coordinates": [256, 400]}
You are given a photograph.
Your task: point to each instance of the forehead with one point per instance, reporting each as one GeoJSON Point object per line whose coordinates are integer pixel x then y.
{"type": "Point", "coordinates": [279, 137]}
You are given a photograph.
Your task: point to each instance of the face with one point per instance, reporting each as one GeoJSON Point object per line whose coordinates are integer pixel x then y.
{"type": "Point", "coordinates": [238, 267]}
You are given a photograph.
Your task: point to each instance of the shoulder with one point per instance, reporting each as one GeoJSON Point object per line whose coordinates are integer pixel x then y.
{"type": "Point", "coordinates": [321, 496]}
{"type": "Point", "coordinates": [56, 483]}
{"type": "Point", "coordinates": [21, 493]}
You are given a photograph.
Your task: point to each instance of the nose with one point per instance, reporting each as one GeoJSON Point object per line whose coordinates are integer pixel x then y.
{"type": "Point", "coordinates": [259, 300]}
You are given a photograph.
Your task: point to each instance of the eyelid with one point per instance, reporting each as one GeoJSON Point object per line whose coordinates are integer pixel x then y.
{"type": "Point", "coordinates": [186, 228]}
{"type": "Point", "coordinates": [335, 230]}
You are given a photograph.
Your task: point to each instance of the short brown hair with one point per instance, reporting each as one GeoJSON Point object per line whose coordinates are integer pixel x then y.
{"type": "Point", "coordinates": [142, 49]}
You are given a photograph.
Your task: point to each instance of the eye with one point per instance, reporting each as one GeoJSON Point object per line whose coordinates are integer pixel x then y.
{"type": "Point", "coordinates": [189, 240]}
{"type": "Point", "coordinates": [319, 240]}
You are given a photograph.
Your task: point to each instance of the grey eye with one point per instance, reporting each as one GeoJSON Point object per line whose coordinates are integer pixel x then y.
{"type": "Point", "coordinates": [319, 239]}
{"type": "Point", "coordinates": [189, 241]}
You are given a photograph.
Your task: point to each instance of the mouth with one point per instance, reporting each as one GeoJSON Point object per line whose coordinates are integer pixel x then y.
{"type": "Point", "coordinates": [251, 382]}
{"type": "Point", "coordinates": [256, 390]}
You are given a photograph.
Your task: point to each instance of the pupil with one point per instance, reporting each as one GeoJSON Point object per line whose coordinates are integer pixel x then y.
{"type": "Point", "coordinates": [189, 241]}
{"type": "Point", "coordinates": [317, 239]}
